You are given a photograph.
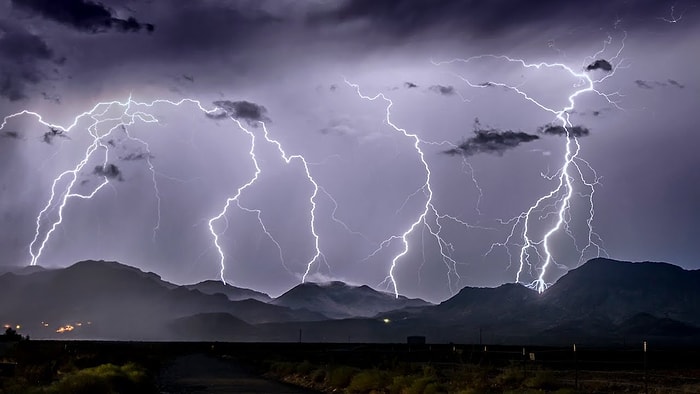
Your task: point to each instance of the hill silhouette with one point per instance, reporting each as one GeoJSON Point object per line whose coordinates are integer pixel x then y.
{"type": "Point", "coordinates": [603, 301]}
{"type": "Point", "coordinates": [340, 300]}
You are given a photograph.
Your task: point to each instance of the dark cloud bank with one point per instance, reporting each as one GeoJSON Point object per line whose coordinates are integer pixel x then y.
{"type": "Point", "coordinates": [245, 110]}
{"type": "Point", "coordinates": [494, 141]}
{"type": "Point", "coordinates": [489, 140]}
{"type": "Point", "coordinates": [82, 15]}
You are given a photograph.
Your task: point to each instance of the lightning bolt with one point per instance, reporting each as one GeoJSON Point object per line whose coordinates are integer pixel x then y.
{"type": "Point", "coordinates": [429, 217]}
{"type": "Point", "coordinates": [58, 199]}
{"type": "Point", "coordinates": [318, 255]}
{"type": "Point", "coordinates": [673, 18]}
{"type": "Point", "coordinates": [63, 188]}
{"type": "Point", "coordinates": [556, 202]}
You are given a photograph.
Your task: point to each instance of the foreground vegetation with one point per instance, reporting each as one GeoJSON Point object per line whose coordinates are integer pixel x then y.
{"type": "Point", "coordinates": [47, 367]}
{"type": "Point", "coordinates": [417, 378]}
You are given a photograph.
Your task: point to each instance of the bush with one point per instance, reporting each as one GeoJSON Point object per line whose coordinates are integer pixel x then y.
{"type": "Point", "coordinates": [420, 385]}
{"type": "Point", "coordinates": [400, 384]}
{"type": "Point", "coordinates": [511, 376]}
{"type": "Point", "coordinates": [366, 381]}
{"type": "Point", "coordinates": [318, 375]}
{"type": "Point", "coordinates": [283, 368]}
{"type": "Point", "coordinates": [105, 378]}
{"type": "Point", "coordinates": [341, 376]}
{"type": "Point", "coordinates": [541, 379]}
{"type": "Point", "coordinates": [304, 368]}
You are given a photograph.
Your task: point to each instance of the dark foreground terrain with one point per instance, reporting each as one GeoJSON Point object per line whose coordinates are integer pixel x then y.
{"type": "Point", "coordinates": [215, 367]}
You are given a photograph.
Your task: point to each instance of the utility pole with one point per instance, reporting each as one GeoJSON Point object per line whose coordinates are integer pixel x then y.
{"type": "Point", "coordinates": [575, 368]}
{"type": "Point", "coordinates": [646, 372]}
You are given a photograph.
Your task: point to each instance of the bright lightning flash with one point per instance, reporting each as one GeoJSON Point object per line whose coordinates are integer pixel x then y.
{"type": "Point", "coordinates": [557, 202]}
{"type": "Point", "coordinates": [129, 112]}
{"type": "Point", "coordinates": [429, 217]}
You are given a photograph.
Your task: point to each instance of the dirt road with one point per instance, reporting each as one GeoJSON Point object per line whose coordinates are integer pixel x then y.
{"type": "Point", "coordinates": [199, 373]}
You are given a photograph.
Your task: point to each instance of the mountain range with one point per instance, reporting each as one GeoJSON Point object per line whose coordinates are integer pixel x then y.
{"type": "Point", "coordinates": [603, 301]}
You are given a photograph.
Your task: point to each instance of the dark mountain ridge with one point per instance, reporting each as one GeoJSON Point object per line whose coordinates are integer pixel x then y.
{"type": "Point", "coordinates": [340, 300]}
{"type": "Point", "coordinates": [232, 292]}
{"type": "Point", "coordinates": [601, 302]}
{"type": "Point", "coordinates": [111, 300]}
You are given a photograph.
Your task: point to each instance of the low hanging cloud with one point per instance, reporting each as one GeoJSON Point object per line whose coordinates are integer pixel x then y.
{"type": "Point", "coordinates": [675, 83]}
{"type": "Point", "coordinates": [491, 141]}
{"type": "Point", "coordinates": [22, 59]}
{"type": "Point", "coordinates": [136, 156]}
{"type": "Point", "coordinates": [109, 171]}
{"type": "Point", "coordinates": [83, 15]}
{"type": "Point", "coordinates": [409, 85]}
{"type": "Point", "coordinates": [573, 131]}
{"type": "Point", "coordinates": [52, 134]}
{"type": "Point", "coordinates": [443, 90]}
{"type": "Point", "coordinates": [600, 64]}
{"type": "Point", "coordinates": [244, 110]}
{"type": "Point", "coordinates": [651, 84]}
{"type": "Point", "coordinates": [10, 134]}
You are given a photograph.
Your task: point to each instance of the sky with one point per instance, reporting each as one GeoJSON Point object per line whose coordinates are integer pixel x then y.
{"type": "Point", "coordinates": [414, 146]}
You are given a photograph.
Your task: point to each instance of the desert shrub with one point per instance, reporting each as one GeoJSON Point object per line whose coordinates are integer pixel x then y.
{"type": "Point", "coordinates": [283, 368]}
{"type": "Point", "coordinates": [37, 374]}
{"type": "Point", "coordinates": [540, 379]}
{"type": "Point", "coordinates": [304, 368]}
{"type": "Point", "coordinates": [400, 384]}
{"type": "Point", "coordinates": [318, 375]}
{"type": "Point", "coordinates": [471, 377]}
{"type": "Point", "coordinates": [567, 390]}
{"type": "Point", "coordinates": [366, 381]}
{"type": "Point", "coordinates": [420, 384]}
{"type": "Point", "coordinates": [511, 376]}
{"type": "Point", "coordinates": [105, 378]}
{"type": "Point", "coordinates": [341, 376]}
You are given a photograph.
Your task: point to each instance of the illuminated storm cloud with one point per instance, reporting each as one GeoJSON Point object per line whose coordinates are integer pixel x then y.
{"type": "Point", "coordinates": [322, 204]}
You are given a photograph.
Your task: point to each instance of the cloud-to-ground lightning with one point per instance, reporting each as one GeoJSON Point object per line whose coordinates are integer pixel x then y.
{"type": "Point", "coordinates": [556, 202]}
{"type": "Point", "coordinates": [429, 216]}
{"type": "Point", "coordinates": [58, 199]}
{"type": "Point", "coordinates": [129, 112]}
{"type": "Point", "coordinates": [318, 255]}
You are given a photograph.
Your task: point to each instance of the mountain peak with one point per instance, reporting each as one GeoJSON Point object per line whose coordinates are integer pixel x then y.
{"type": "Point", "coordinates": [233, 293]}
{"type": "Point", "coordinates": [339, 300]}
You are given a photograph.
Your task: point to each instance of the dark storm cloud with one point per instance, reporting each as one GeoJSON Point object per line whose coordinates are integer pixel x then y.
{"type": "Point", "coordinates": [82, 15]}
{"type": "Point", "coordinates": [402, 18]}
{"type": "Point", "coordinates": [244, 110]}
{"type": "Point", "coordinates": [650, 84]}
{"type": "Point", "coordinates": [205, 28]}
{"type": "Point", "coordinates": [600, 64]}
{"type": "Point", "coordinates": [22, 55]}
{"type": "Point", "coordinates": [134, 156]}
{"type": "Point", "coordinates": [54, 98]}
{"type": "Point", "coordinates": [109, 171]}
{"type": "Point", "coordinates": [49, 136]}
{"type": "Point", "coordinates": [643, 84]}
{"type": "Point", "coordinates": [10, 134]}
{"type": "Point", "coordinates": [573, 131]}
{"type": "Point", "coordinates": [409, 85]}
{"type": "Point", "coordinates": [443, 90]}
{"type": "Point", "coordinates": [489, 140]}
{"type": "Point", "coordinates": [676, 84]}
